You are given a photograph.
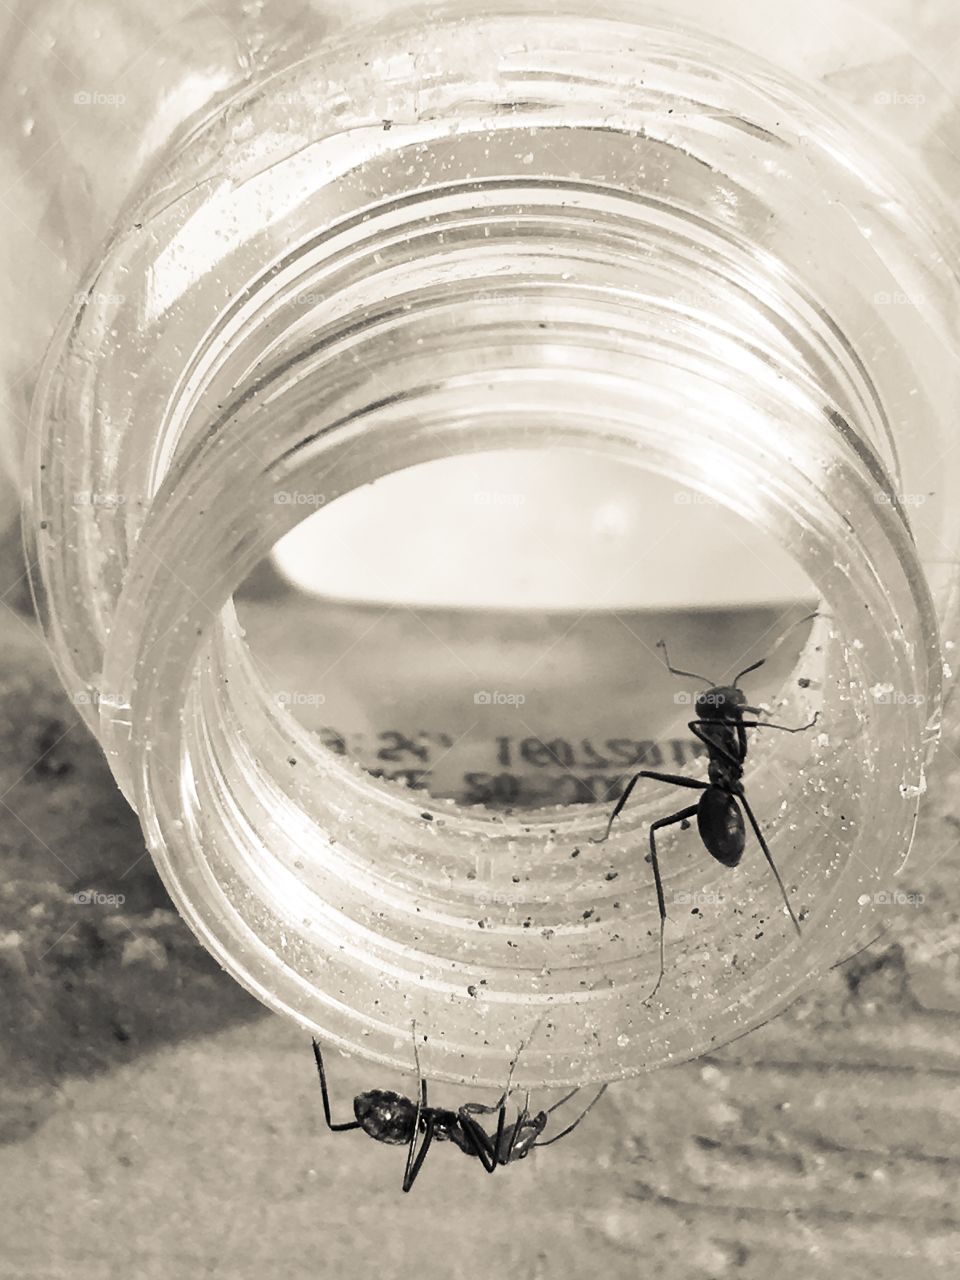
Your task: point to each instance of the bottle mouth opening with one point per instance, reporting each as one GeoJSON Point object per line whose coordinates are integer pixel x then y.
{"type": "Point", "coordinates": [625, 298]}
{"type": "Point", "coordinates": [337, 883]}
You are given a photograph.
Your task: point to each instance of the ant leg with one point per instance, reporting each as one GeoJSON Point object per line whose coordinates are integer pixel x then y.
{"type": "Point", "coordinates": [627, 792]}
{"type": "Point", "coordinates": [769, 857]}
{"type": "Point", "coordinates": [523, 1118]}
{"type": "Point", "coordinates": [502, 1119]}
{"type": "Point", "coordinates": [422, 1103]}
{"type": "Point", "coordinates": [683, 816]}
{"type": "Point", "coordinates": [414, 1162]}
{"type": "Point", "coordinates": [414, 1166]}
{"type": "Point", "coordinates": [334, 1128]}
{"type": "Point", "coordinates": [656, 777]}
{"type": "Point", "coordinates": [478, 1137]}
{"type": "Point", "coordinates": [766, 724]}
{"type": "Point", "coordinates": [677, 780]}
{"type": "Point", "coordinates": [582, 1116]}
{"type": "Point", "coordinates": [487, 1148]}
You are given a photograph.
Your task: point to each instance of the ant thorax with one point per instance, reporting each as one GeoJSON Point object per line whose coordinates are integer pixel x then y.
{"type": "Point", "coordinates": [725, 774]}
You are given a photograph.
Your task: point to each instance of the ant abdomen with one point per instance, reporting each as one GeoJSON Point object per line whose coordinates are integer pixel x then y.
{"type": "Point", "coordinates": [721, 826]}
{"type": "Point", "coordinates": [388, 1117]}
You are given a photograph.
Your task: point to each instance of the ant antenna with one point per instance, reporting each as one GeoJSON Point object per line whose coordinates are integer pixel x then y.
{"type": "Point", "coordinates": [691, 675]}
{"type": "Point", "coordinates": [582, 1116]}
{"type": "Point", "coordinates": [770, 652]}
{"type": "Point", "coordinates": [567, 1096]}
{"type": "Point", "coordinates": [746, 671]}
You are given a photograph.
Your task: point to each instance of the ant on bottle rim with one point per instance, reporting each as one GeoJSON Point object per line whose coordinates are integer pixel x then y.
{"type": "Point", "coordinates": [397, 1120]}
{"type": "Point", "coordinates": [721, 728]}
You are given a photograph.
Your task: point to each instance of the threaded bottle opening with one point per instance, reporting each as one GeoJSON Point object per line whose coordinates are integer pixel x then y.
{"type": "Point", "coordinates": [538, 252]}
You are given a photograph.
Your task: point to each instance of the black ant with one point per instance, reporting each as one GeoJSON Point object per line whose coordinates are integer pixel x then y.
{"type": "Point", "coordinates": [720, 726]}
{"type": "Point", "coordinates": [396, 1120]}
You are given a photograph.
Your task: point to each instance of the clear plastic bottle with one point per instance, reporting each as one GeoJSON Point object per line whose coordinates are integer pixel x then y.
{"type": "Point", "coordinates": [717, 244]}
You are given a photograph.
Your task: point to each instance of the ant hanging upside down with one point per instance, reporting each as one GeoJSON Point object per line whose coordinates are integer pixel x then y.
{"type": "Point", "coordinates": [721, 728]}
{"type": "Point", "coordinates": [396, 1120]}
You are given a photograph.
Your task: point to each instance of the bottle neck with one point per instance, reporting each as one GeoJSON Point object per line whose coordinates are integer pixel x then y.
{"type": "Point", "coordinates": [460, 249]}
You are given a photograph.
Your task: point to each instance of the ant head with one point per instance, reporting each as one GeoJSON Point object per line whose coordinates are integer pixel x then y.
{"type": "Point", "coordinates": [526, 1133]}
{"type": "Point", "coordinates": [724, 699]}
{"type": "Point", "coordinates": [720, 701]}
{"type": "Point", "coordinates": [388, 1117]}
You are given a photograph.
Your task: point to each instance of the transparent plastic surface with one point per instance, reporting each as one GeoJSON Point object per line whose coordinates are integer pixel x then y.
{"type": "Point", "coordinates": [654, 236]}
